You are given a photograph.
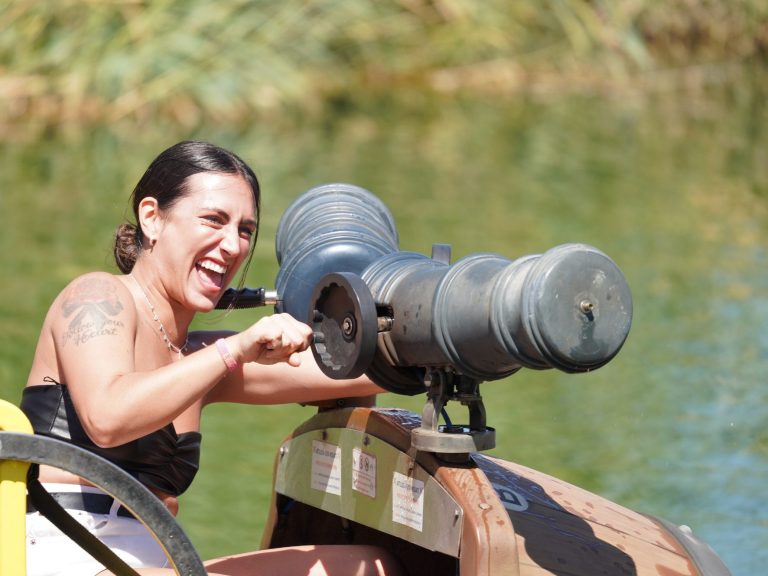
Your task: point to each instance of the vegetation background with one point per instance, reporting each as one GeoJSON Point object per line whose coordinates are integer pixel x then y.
{"type": "Point", "coordinates": [635, 125]}
{"type": "Point", "coordinates": [188, 62]}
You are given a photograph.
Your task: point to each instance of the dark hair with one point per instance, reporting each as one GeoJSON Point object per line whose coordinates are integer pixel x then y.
{"type": "Point", "coordinates": [166, 180]}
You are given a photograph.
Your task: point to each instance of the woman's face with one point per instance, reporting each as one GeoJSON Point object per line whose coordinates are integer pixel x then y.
{"type": "Point", "coordinates": [205, 237]}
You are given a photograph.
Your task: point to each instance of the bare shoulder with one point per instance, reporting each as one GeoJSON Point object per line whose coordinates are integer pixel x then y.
{"type": "Point", "coordinates": [92, 305]}
{"type": "Point", "coordinates": [100, 290]}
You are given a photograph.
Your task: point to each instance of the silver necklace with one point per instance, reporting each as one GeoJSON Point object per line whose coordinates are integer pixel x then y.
{"type": "Point", "coordinates": [171, 346]}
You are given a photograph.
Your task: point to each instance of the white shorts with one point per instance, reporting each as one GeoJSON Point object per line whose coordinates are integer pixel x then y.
{"type": "Point", "coordinates": [52, 553]}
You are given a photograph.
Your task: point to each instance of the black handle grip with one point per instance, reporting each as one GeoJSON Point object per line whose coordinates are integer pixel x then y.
{"type": "Point", "coordinates": [246, 298]}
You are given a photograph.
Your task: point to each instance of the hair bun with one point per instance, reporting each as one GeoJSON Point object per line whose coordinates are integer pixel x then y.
{"type": "Point", "coordinates": [126, 247]}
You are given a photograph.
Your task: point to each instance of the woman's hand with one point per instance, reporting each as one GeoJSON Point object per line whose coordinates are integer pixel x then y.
{"type": "Point", "coordinates": [269, 353]}
{"type": "Point", "coordinates": [273, 339]}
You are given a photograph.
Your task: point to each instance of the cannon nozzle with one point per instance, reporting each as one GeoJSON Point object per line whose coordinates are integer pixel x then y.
{"type": "Point", "coordinates": [484, 317]}
{"type": "Point", "coordinates": [394, 314]}
{"type": "Point", "coordinates": [416, 324]}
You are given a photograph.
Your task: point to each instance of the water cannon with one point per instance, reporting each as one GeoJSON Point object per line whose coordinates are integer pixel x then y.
{"type": "Point", "coordinates": [419, 324]}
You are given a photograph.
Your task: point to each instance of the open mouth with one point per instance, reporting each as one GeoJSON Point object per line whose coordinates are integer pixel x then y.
{"type": "Point", "coordinates": [211, 273]}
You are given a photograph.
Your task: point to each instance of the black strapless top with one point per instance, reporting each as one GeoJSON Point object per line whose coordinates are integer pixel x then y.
{"type": "Point", "coordinates": [163, 460]}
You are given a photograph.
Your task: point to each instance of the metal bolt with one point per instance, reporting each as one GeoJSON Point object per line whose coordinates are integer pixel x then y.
{"type": "Point", "coordinates": [348, 326]}
{"type": "Point", "coordinates": [586, 306]}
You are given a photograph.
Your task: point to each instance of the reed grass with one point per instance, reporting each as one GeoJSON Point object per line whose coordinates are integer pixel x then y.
{"type": "Point", "coordinates": [229, 61]}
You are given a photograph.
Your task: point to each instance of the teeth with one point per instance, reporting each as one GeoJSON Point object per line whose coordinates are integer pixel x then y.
{"type": "Point", "coordinates": [207, 264]}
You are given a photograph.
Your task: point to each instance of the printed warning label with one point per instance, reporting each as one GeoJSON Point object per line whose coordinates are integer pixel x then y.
{"type": "Point", "coordinates": [408, 501]}
{"type": "Point", "coordinates": [364, 472]}
{"type": "Point", "coordinates": [326, 467]}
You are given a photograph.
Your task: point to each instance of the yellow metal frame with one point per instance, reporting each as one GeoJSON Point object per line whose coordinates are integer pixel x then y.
{"type": "Point", "coordinates": [13, 498]}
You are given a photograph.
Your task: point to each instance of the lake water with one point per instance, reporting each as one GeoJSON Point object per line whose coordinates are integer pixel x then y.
{"type": "Point", "coordinates": [673, 185]}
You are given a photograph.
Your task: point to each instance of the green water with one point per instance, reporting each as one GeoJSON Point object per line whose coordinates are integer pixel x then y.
{"type": "Point", "coordinates": [673, 186]}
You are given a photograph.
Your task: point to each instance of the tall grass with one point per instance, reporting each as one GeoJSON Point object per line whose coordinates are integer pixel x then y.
{"type": "Point", "coordinates": [228, 60]}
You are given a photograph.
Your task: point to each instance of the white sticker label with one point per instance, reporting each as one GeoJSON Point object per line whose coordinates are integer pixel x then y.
{"type": "Point", "coordinates": [326, 467]}
{"type": "Point", "coordinates": [408, 501]}
{"type": "Point", "coordinates": [363, 472]}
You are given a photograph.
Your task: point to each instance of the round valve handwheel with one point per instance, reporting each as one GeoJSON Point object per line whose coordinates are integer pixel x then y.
{"type": "Point", "coordinates": [342, 315]}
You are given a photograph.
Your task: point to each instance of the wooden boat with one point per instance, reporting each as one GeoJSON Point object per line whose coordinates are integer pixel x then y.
{"type": "Point", "coordinates": [349, 477]}
{"type": "Point", "coordinates": [357, 477]}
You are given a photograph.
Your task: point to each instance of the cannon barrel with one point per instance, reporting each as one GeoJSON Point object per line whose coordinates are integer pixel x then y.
{"type": "Point", "coordinates": [329, 228]}
{"type": "Point", "coordinates": [395, 315]}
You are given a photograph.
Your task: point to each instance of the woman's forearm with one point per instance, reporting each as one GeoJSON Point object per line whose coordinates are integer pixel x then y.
{"type": "Point", "coordinates": [282, 383]}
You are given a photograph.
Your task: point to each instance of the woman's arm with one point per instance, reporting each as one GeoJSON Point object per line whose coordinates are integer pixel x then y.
{"type": "Point", "coordinates": [94, 326]}
{"type": "Point", "coordinates": [304, 382]}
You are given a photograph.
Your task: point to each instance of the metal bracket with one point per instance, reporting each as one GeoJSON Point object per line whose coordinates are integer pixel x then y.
{"type": "Point", "coordinates": [442, 387]}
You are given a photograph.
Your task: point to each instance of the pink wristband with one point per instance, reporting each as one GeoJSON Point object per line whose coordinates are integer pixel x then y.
{"type": "Point", "coordinates": [229, 360]}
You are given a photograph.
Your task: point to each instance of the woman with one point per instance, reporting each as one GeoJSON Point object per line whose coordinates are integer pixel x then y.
{"type": "Point", "coordinates": [118, 371]}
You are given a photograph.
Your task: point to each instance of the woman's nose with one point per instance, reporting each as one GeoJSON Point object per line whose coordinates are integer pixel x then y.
{"type": "Point", "coordinates": [230, 243]}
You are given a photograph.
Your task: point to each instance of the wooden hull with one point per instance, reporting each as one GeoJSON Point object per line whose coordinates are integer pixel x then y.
{"type": "Point", "coordinates": [351, 477]}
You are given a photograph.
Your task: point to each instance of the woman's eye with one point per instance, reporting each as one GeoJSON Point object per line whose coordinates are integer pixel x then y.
{"type": "Point", "coordinates": [214, 219]}
{"type": "Point", "coordinates": [246, 233]}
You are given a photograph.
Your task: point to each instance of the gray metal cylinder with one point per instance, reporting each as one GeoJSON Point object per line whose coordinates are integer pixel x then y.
{"type": "Point", "coordinates": [330, 228]}
{"type": "Point", "coordinates": [484, 317]}
{"type": "Point", "coordinates": [487, 316]}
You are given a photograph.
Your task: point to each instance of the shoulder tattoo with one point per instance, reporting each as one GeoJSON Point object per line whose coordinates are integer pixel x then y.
{"type": "Point", "coordinates": [92, 305]}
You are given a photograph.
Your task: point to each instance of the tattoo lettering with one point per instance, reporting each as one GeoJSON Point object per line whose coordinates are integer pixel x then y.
{"type": "Point", "coordinates": [91, 303]}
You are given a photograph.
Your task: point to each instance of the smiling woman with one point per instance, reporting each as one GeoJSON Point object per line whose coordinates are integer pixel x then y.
{"type": "Point", "coordinates": [118, 372]}
{"type": "Point", "coordinates": [212, 225]}
{"type": "Point", "coordinates": [169, 178]}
